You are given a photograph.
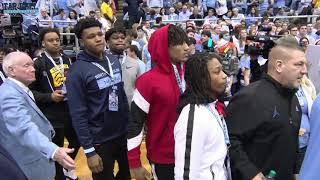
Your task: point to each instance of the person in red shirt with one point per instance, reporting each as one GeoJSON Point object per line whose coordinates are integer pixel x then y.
{"type": "Point", "coordinates": [154, 104]}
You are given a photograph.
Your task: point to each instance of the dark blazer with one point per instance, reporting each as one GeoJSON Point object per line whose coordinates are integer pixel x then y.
{"type": "Point", "coordinates": [9, 169]}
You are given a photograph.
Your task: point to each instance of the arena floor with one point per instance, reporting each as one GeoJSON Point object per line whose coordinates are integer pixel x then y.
{"type": "Point", "coordinates": [84, 173]}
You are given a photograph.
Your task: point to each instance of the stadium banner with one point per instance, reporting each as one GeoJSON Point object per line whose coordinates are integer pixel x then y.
{"type": "Point", "coordinates": [18, 8]}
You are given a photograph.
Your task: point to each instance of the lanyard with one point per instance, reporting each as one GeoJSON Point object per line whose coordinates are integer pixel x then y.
{"type": "Point", "coordinates": [181, 82]}
{"type": "Point", "coordinates": [222, 124]}
{"type": "Point", "coordinates": [103, 69]}
{"type": "Point", "coordinates": [61, 68]}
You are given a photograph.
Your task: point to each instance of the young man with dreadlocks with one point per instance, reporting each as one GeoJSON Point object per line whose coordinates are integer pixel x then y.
{"type": "Point", "coordinates": [200, 134]}
{"type": "Point", "coordinates": [154, 102]}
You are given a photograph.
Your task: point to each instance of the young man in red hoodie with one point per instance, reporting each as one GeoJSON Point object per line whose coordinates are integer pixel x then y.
{"type": "Point", "coordinates": [154, 104]}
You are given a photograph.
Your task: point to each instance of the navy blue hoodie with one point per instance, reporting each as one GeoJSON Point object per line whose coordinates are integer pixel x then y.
{"type": "Point", "coordinates": [88, 90]}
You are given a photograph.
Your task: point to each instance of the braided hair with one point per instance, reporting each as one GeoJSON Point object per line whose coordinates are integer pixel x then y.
{"type": "Point", "coordinates": [198, 80]}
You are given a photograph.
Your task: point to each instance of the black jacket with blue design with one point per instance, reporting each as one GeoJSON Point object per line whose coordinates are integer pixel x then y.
{"type": "Point", "coordinates": [263, 120]}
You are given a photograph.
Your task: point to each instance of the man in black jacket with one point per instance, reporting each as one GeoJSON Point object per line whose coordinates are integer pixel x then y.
{"type": "Point", "coordinates": [50, 92]}
{"type": "Point", "coordinates": [264, 118]}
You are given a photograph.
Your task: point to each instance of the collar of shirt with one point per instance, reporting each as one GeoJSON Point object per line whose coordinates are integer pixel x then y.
{"type": "Point", "coordinates": [20, 84]}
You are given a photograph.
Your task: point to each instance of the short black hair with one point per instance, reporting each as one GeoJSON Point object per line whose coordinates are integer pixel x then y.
{"type": "Point", "coordinates": [198, 79]}
{"type": "Point", "coordinates": [85, 24]}
{"type": "Point", "coordinates": [60, 11]}
{"type": "Point", "coordinates": [92, 12]}
{"type": "Point", "coordinates": [117, 29]}
{"type": "Point", "coordinates": [45, 31]}
{"type": "Point", "coordinates": [206, 33]}
{"type": "Point", "coordinates": [176, 36]}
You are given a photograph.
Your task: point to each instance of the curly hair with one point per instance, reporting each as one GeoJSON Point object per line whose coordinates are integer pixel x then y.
{"type": "Point", "coordinates": [45, 31]}
{"type": "Point", "coordinates": [85, 24]}
{"type": "Point", "coordinates": [176, 36]}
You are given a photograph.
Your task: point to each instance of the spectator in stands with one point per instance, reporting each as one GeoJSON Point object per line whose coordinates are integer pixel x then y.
{"type": "Point", "coordinates": [241, 42]}
{"type": "Point", "coordinates": [311, 31]}
{"type": "Point", "coordinates": [283, 32]}
{"type": "Point", "coordinates": [211, 17]}
{"type": "Point", "coordinates": [172, 15]}
{"type": "Point", "coordinates": [278, 30]}
{"type": "Point", "coordinates": [106, 11]}
{"type": "Point", "coordinates": [304, 42]}
{"type": "Point", "coordinates": [238, 17]}
{"type": "Point", "coordinates": [178, 7]}
{"type": "Point", "coordinates": [195, 15]}
{"type": "Point", "coordinates": [284, 26]}
{"type": "Point", "coordinates": [241, 5]}
{"type": "Point", "coordinates": [253, 13]}
{"type": "Point", "coordinates": [263, 6]}
{"type": "Point", "coordinates": [151, 17]}
{"type": "Point", "coordinates": [185, 13]}
{"type": "Point", "coordinates": [88, 6]}
{"type": "Point", "coordinates": [208, 4]}
{"type": "Point", "coordinates": [294, 31]}
{"type": "Point", "coordinates": [303, 33]}
{"type": "Point", "coordinates": [73, 17]}
{"type": "Point", "coordinates": [163, 14]}
{"type": "Point", "coordinates": [228, 51]}
{"type": "Point", "coordinates": [92, 14]}
{"type": "Point", "coordinates": [135, 54]}
{"type": "Point", "coordinates": [106, 24]}
{"type": "Point", "coordinates": [206, 41]}
{"type": "Point", "coordinates": [62, 4]}
{"type": "Point", "coordinates": [75, 5]}
{"type": "Point", "coordinates": [281, 11]}
{"type": "Point", "coordinates": [192, 45]}
{"type": "Point", "coordinates": [190, 33]}
{"type": "Point", "coordinates": [132, 38]}
{"type": "Point", "coordinates": [216, 30]}
{"type": "Point", "coordinates": [62, 26]}
{"type": "Point", "coordinates": [44, 16]}
{"type": "Point", "coordinates": [269, 12]}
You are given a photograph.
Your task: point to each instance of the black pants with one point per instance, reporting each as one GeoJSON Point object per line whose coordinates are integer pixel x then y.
{"type": "Point", "coordinates": [111, 151]}
{"type": "Point", "coordinates": [163, 171]}
{"type": "Point", "coordinates": [68, 132]}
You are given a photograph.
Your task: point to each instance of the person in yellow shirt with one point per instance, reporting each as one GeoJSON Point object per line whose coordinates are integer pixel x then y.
{"type": "Point", "coordinates": [106, 11]}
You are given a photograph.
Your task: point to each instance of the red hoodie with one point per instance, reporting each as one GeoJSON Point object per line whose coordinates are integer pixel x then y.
{"type": "Point", "coordinates": [155, 101]}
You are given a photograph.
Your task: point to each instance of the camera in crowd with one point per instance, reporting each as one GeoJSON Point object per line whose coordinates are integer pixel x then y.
{"type": "Point", "coordinates": [260, 45]}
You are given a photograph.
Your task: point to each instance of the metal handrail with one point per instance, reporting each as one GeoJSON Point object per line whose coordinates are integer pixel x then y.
{"type": "Point", "coordinates": [271, 17]}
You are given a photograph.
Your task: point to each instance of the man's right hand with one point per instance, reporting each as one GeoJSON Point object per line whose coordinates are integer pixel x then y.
{"type": "Point", "coordinates": [95, 163]}
{"type": "Point", "coordinates": [57, 96]}
{"type": "Point", "coordinates": [62, 157]}
{"type": "Point", "coordinates": [140, 173]}
{"type": "Point", "coordinates": [259, 176]}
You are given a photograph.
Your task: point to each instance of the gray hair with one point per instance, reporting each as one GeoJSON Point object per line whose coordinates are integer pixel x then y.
{"type": "Point", "coordinates": [10, 60]}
